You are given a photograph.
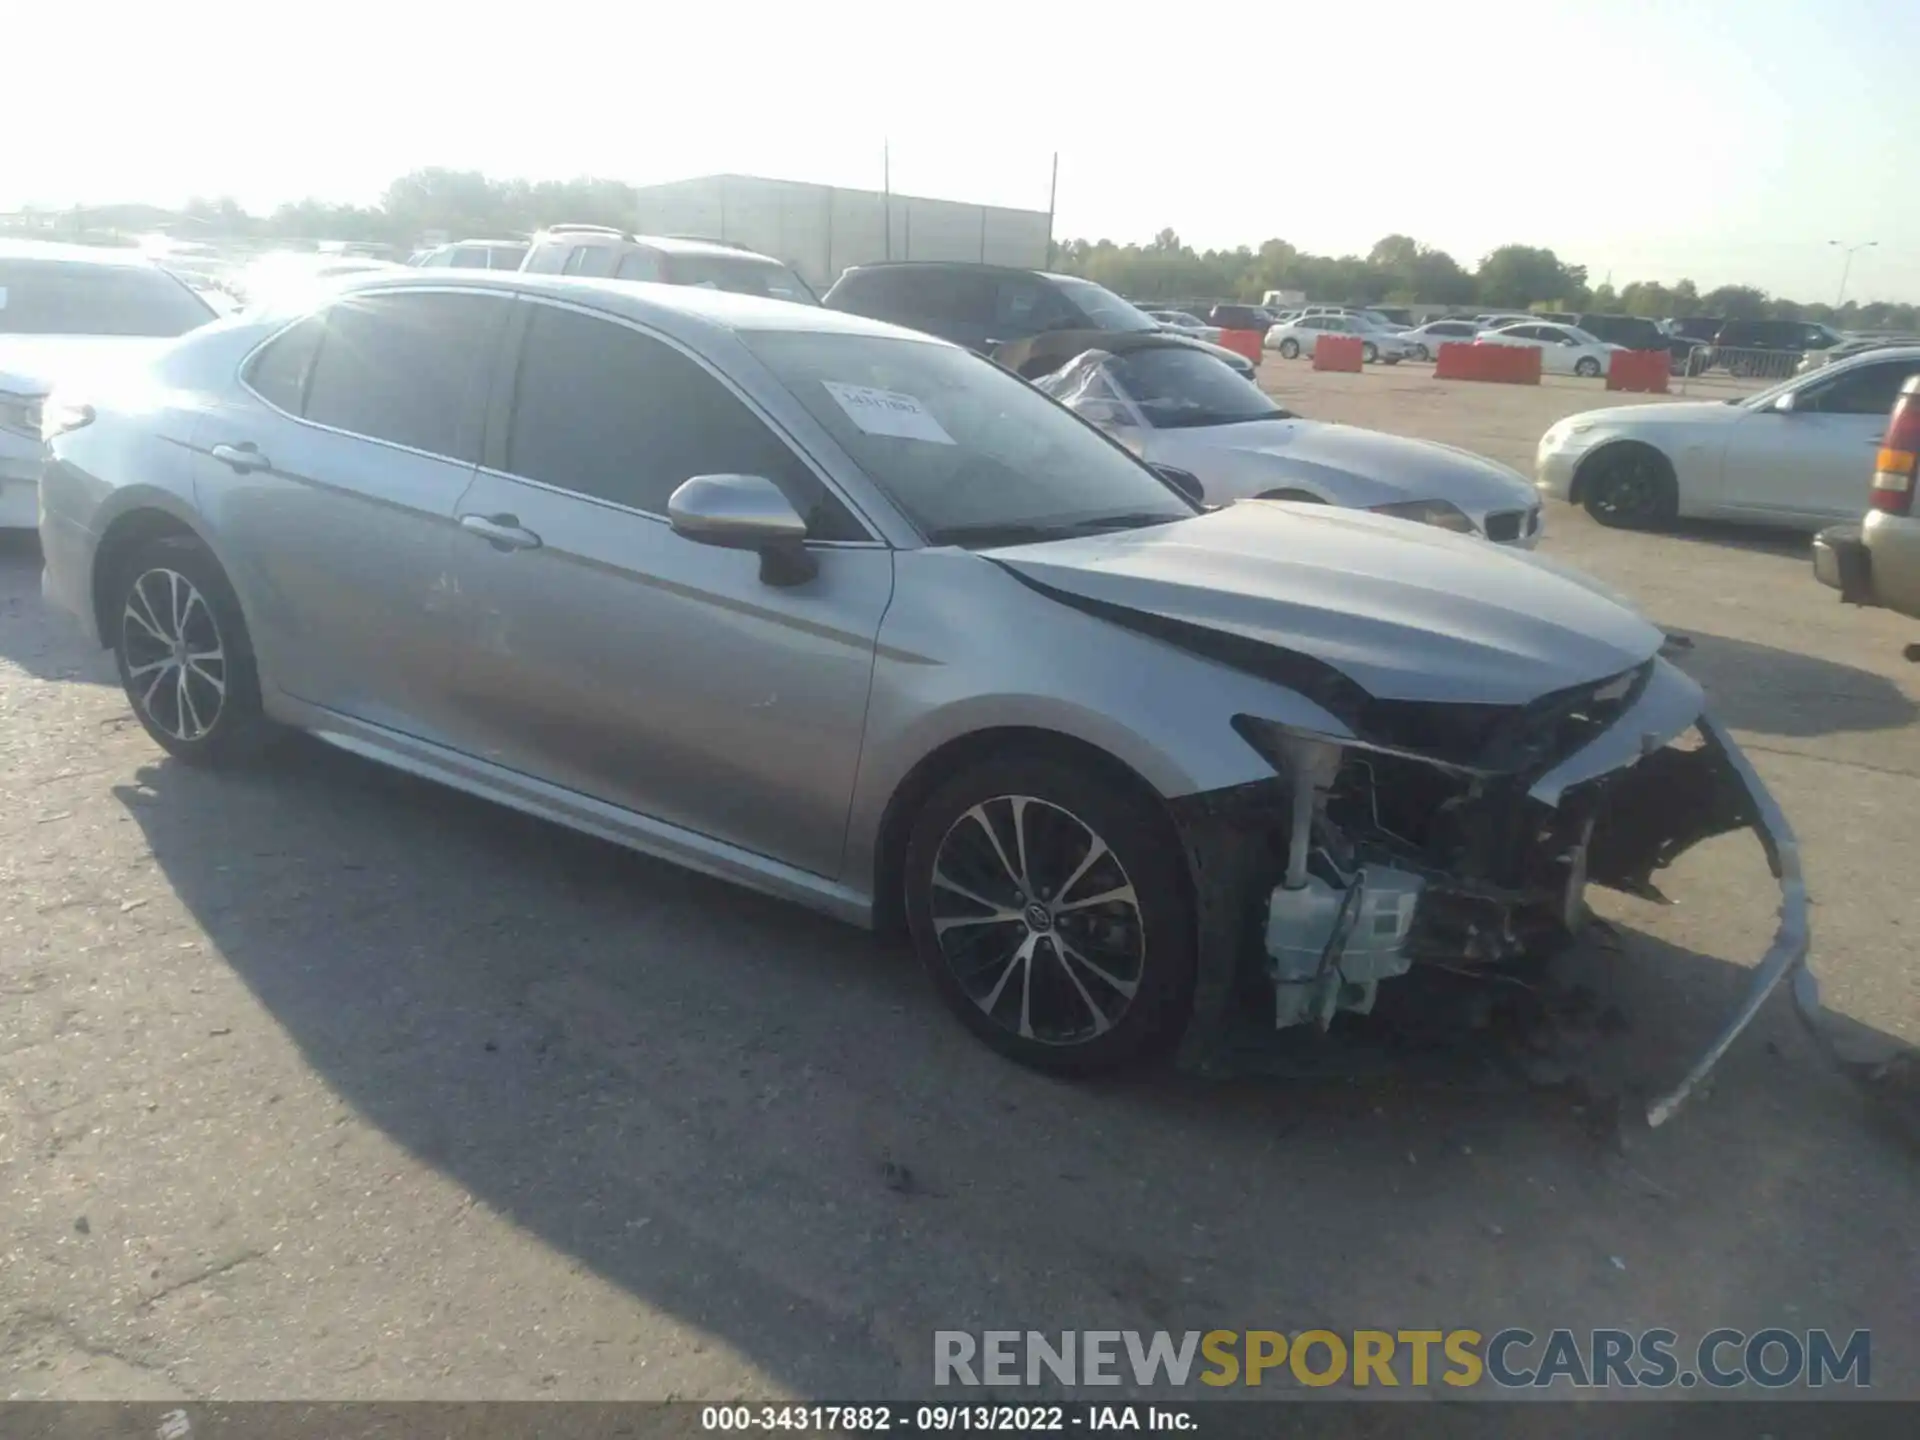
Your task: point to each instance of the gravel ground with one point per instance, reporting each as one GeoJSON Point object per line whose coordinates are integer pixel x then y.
{"type": "Point", "coordinates": [319, 1082]}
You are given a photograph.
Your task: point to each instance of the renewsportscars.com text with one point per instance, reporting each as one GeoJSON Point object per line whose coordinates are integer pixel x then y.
{"type": "Point", "coordinates": [1512, 1358]}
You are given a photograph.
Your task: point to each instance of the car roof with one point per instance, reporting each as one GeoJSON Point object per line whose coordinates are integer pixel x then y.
{"type": "Point", "coordinates": [683, 309]}
{"type": "Point", "coordinates": [127, 259]}
{"type": "Point", "coordinates": [667, 244]}
{"type": "Point", "coordinates": [981, 267]}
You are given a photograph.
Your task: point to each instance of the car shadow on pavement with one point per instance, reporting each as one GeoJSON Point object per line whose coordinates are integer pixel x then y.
{"type": "Point", "coordinates": [763, 1123]}
{"type": "Point", "coordinates": [1732, 535]}
{"type": "Point", "coordinates": [1767, 690]}
{"type": "Point", "coordinates": [44, 652]}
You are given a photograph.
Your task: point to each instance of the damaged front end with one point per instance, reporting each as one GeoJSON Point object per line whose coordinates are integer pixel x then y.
{"type": "Point", "coordinates": [1464, 837]}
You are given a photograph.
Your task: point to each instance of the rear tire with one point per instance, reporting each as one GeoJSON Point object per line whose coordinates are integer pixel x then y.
{"type": "Point", "coordinates": [1289, 349]}
{"type": "Point", "coordinates": [1420, 353]}
{"type": "Point", "coordinates": [1630, 487]}
{"type": "Point", "coordinates": [1586, 367]}
{"type": "Point", "coordinates": [1011, 934]}
{"type": "Point", "coordinates": [1369, 353]}
{"type": "Point", "coordinates": [184, 656]}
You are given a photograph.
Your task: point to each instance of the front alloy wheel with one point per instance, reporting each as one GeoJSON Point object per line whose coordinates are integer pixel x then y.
{"type": "Point", "coordinates": [1049, 905]}
{"type": "Point", "coordinates": [1369, 353]}
{"type": "Point", "coordinates": [1289, 349]}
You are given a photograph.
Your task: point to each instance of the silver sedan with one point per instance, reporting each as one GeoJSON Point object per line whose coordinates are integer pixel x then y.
{"type": "Point", "coordinates": [857, 618]}
{"type": "Point", "coordinates": [1176, 406]}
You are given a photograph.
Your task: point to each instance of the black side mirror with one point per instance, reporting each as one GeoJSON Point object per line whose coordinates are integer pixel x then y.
{"type": "Point", "coordinates": [1185, 481]}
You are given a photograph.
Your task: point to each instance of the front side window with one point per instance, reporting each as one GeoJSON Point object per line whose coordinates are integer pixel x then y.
{"type": "Point", "coordinates": [74, 297]}
{"type": "Point", "coordinates": [594, 260]}
{"type": "Point", "coordinates": [1104, 309]}
{"type": "Point", "coordinates": [638, 265]}
{"type": "Point", "coordinates": [608, 412]}
{"type": "Point", "coordinates": [970, 453]}
{"type": "Point", "coordinates": [1864, 390]}
{"type": "Point", "coordinates": [406, 368]}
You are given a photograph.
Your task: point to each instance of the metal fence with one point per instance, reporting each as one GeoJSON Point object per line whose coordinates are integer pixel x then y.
{"type": "Point", "coordinates": [1731, 369]}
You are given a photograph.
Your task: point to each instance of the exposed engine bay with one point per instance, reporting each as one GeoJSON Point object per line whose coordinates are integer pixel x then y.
{"type": "Point", "coordinates": [1464, 837]}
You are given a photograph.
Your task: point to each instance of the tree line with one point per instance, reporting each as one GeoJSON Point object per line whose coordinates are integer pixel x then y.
{"type": "Point", "coordinates": [1397, 270]}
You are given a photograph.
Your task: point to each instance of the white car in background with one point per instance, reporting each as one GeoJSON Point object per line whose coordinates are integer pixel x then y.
{"type": "Point", "coordinates": [1182, 323]}
{"type": "Point", "coordinates": [1564, 349]}
{"type": "Point", "coordinates": [1798, 455]}
{"type": "Point", "coordinates": [1300, 337]}
{"type": "Point", "coordinates": [1173, 405]}
{"type": "Point", "coordinates": [1428, 338]}
{"type": "Point", "coordinates": [72, 313]}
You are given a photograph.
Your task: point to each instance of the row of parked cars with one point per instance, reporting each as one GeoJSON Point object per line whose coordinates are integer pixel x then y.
{"type": "Point", "coordinates": [831, 608]}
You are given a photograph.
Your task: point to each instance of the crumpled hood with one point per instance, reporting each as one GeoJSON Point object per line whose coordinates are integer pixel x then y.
{"type": "Point", "coordinates": [34, 364]}
{"type": "Point", "coordinates": [1416, 469]}
{"type": "Point", "coordinates": [1407, 612]}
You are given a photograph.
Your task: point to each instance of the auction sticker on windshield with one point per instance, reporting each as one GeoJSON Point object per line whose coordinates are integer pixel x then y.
{"type": "Point", "coordinates": [887, 412]}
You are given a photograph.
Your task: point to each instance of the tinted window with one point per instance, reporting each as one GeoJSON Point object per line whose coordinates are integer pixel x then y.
{"type": "Point", "coordinates": [1106, 310]}
{"type": "Point", "coordinates": [1024, 305]}
{"type": "Point", "coordinates": [545, 259]}
{"type": "Point", "coordinates": [603, 410]}
{"type": "Point", "coordinates": [279, 373]}
{"type": "Point", "coordinates": [72, 297]}
{"type": "Point", "coordinates": [1868, 390]}
{"type": "Point", "coordinates": [638, 265]}
{"type": "Point", "coordinates": [597, 260]}
{"type": "Point", "coordinates": [405, 368]}
{"type": "Point", "coordinates": [470, 257]}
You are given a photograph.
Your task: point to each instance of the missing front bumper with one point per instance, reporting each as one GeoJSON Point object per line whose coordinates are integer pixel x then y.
{"type": "Point", "coordinates": [1655, 803]}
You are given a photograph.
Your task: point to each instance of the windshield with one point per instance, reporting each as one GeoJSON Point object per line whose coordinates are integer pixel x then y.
{"type": "Point", "coordinates": [1100, 305]}
{"type": "Point", "coordinates": [1178, 388]}
{"type": "Point", "coordinates": [740, 274]}
{"type": "Point", "coordinates": [70, 297]}
{"type": "Point", "coordinates": [969, 452]}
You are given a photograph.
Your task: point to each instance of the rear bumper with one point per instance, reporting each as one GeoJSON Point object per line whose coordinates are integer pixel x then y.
{"type": "Point", "coordinates": [1841, 561]}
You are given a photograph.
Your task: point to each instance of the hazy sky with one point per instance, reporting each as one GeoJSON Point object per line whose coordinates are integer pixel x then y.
{"type": "Point", "coordinates": [1726, 140]}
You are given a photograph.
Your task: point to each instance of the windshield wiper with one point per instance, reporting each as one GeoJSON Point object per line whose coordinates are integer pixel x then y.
{"type": "Point", "coordinates": [1194, 419]}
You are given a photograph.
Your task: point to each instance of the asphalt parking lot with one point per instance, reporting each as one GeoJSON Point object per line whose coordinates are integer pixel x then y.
{"type": "Point", "coordinates": [317, 1081]}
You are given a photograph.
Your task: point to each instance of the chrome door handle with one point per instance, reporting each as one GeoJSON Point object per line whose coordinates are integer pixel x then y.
{"type": "Point", "coordinates": [244, 458]}
{"type": "Point", "coordinates": [503, 532]}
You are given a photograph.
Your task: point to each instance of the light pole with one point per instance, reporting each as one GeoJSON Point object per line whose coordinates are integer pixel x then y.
{"type": "Point", "coordinates": [1846, 266]}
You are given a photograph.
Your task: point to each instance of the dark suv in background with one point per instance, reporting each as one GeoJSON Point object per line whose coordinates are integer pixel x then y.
{"type": "Point", "coordinates": [1768, 348]}
{"type": "Point", "coordinates": [1024, 318]}
{"type": "Point", "coordinates": [608, 254]}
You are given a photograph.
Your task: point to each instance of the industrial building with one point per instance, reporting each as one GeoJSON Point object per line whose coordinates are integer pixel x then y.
{"type": "Point", "coordinates": [822, 229]}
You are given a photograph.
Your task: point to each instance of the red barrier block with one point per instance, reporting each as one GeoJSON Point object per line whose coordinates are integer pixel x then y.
{"type": "Point", "coordinates": [1339, 352]}
{"type": "Point", "coordinates": [1243, 342]}
{"type": "Point", "coordinates": [1643, 370]}
{"type": "Point", "coordinates": [1500, 364]}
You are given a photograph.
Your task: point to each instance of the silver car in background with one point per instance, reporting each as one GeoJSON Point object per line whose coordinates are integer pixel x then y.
{"type": "Point", "coordinates": [1172, 405]}
{"type": "Point", "coordinates": [855, 617]}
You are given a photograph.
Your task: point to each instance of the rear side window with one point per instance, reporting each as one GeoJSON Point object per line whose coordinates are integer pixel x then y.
{"type": "Point", "coordinates": [545, 259]}
{"type": "Point", "coordinates": [405, 368]}
{"type": "Point", "coordinates": [73, 297]}
{"type": "Point", "coordinates": [742, 274]}
{"type": "Point", "coordinates": [605, 411]}
{"type": "Point", "coordinates": [278, 374]}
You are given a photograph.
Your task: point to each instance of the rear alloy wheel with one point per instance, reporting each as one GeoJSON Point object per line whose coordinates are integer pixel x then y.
{"type": "Point", "coordinates": [1369, 353]}
{"type": "Point", "coordinates": [1587, 367]}
{"type": "Point", "coordinates": [1048, 906]}
{"type": "Point", "coordinates": [1420, 354]}
{"type": "Point", "coordinates": [1630, 487]}
{"type": "Point", "coordinates": [183, 654]}
{"type": "Point", "coordinates": [1290, 349]}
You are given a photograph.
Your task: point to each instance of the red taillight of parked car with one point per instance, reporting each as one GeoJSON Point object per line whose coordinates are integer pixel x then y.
{"type": "Point", "coordinates": [1893, 472]}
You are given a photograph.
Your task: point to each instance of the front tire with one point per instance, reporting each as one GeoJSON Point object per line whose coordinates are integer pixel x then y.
{"type": "Point", "coordinates": [184, 656]}
{"type": "Point", "coordinates": [1289, 349]}
{"type": "Point", "coordinates": [1369, 353]}
{"type": "Point", "coordinates": [1630, 487]}
{"type": "Point", "coordinates": [1050, 908]}
{"type": "Point", "coordinates": [1586, 367]}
